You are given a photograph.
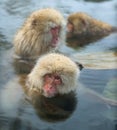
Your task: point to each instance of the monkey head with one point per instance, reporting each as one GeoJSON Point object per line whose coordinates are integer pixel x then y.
{"type": "Point", "coordinates": [53, 74]}
{"type": "Point", "coordinates": [42, 32]}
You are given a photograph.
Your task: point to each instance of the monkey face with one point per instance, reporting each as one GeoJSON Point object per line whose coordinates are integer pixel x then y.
{"type": "Point", "coordinates": [49, 23]}
{"type": "Point", "coordinates": [53, 74]}
{"type": "Point", "coordinates": [51, 84]}
{"type": "Point", "coordinates": [78, 23]}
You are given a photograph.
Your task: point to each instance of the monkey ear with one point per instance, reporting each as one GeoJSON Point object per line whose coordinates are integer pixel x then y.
{"type": "Point", "coordinates": [84, 22]}
{"type": "Point", "coordinates": [80, 66]}
{"type": "Point", "coordinates": [34, 22]}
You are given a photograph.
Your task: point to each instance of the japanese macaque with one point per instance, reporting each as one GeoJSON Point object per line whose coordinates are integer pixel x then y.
{"type": "Point", "coordinates": [52, 75]}
{"type": "Point", "coordinates": [82, 29]}
{"type": "Point", "coordinates": [42, 32]}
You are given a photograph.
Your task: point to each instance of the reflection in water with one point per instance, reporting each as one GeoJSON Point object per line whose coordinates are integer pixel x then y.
{"type": "Point", "coordinates": [61, 106]}
{"type": "Point", "coordinates": [16, 104]}
{"type": "Point", "coordinates": [17, 113]}
{"type": "Point", "coordinates": [17, 110]}
{"type": "Point", "coordinates": [55, 109]}
{"type": "Point", "coordinates": [23, 67]}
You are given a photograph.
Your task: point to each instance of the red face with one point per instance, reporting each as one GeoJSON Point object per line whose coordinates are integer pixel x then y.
{"type": "Point", "coordinates": [51, 82]}
{"type": "Point", "coordinates": [69, 27]}
{"type": "Point", "coordinates": [55, 35]}
{"type": "Point", "coordinates": [70, 30]}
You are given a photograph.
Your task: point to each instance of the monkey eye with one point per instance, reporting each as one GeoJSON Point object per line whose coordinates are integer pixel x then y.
{"type": "Point", "coordinates": [48, 75]}
{"type": "Point", "coordinates": [57, 28]}
{"type": "Point", "coordinates": [53, 28]}
{"type": "Point", "coordinates": [58, 79]}
{"type": "Point", "coordinates": [34, 22]}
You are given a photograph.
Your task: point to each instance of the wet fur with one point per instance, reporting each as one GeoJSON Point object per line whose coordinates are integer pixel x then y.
{"type": "Point", "coordinates": [87, 29]}
{"type": "Point", "coordinates": [54, 63]}
{"type": "Point", "coordinates": [34, 38]}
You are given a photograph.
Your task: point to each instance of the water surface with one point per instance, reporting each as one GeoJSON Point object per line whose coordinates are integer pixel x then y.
{"type": "Point", "coordinates": [88, 110]}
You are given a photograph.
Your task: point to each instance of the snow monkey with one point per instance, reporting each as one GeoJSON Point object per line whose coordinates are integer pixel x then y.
{"type": "Point", "coordinates": [84, 29]}
{"type": "Point", "coordinates": [42, 32]}
{"type": "Point", "coordinates": [53, 74]}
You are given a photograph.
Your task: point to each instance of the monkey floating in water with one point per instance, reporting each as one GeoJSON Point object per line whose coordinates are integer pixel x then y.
{"type": "Point", "coordinates": [84, 29]}
{"type": "Point", "coordinates": [42, 32]}
{"type": "Point", "coordinates": [53, 74]}
{"type": "Point", "coordinates": [50, 86]}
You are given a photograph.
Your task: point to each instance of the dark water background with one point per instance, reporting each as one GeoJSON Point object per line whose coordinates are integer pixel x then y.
{"type": "Point", "coordinates": [100, 73]}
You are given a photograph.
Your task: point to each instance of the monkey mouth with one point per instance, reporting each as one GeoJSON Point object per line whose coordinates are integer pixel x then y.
{"type": "Point", "coordinates": [54, 42]}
